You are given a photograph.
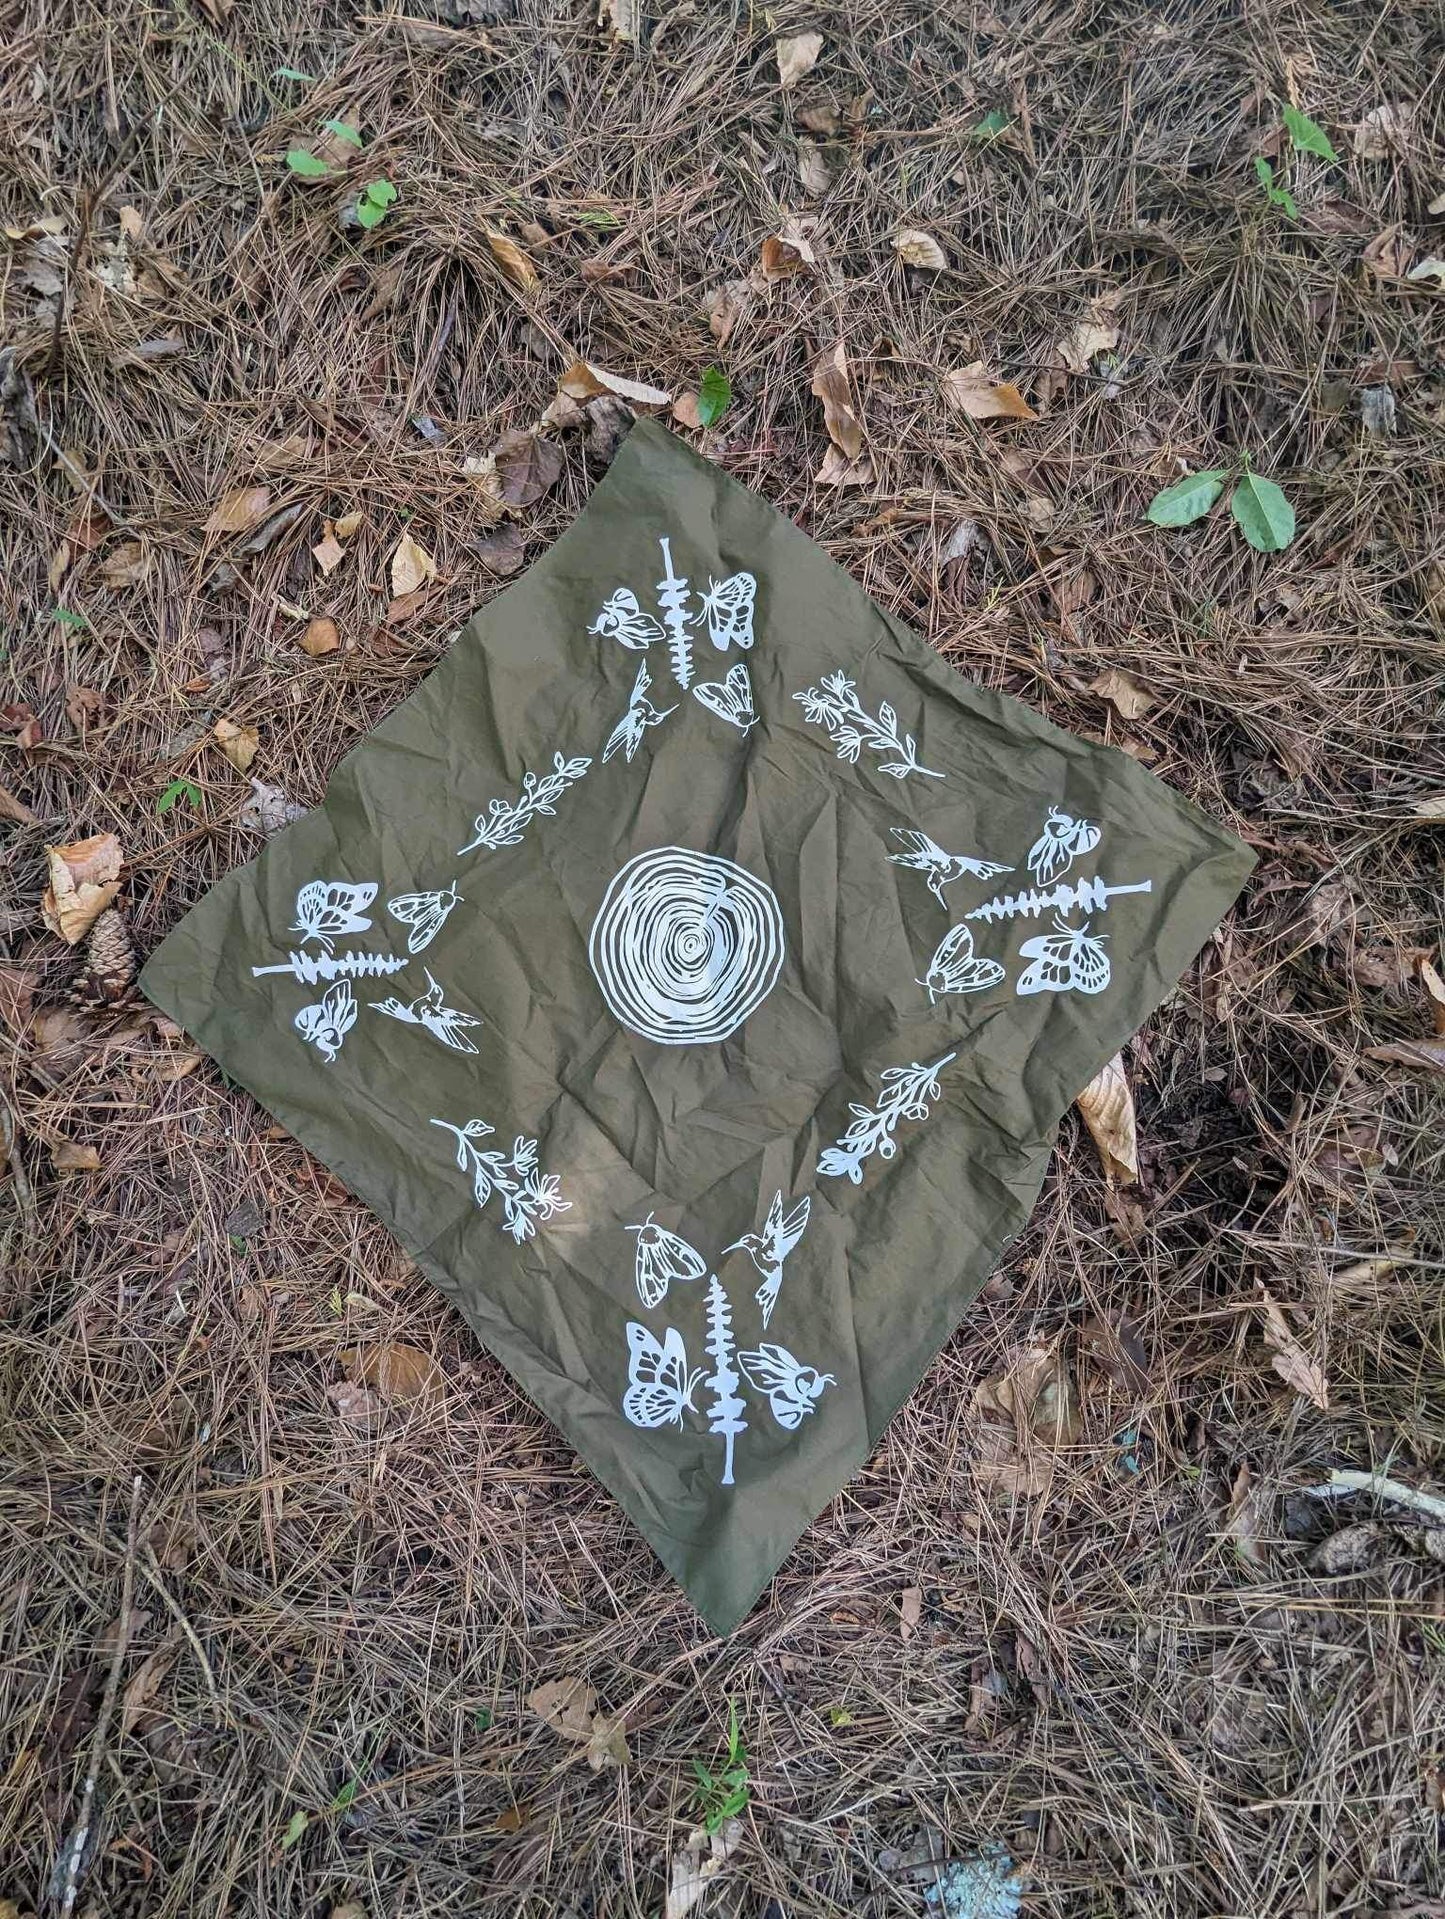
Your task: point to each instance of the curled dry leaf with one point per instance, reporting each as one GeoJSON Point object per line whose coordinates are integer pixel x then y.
{"type": "Point", "coordinates": [621, 20]}
{"type": "Point", "coordinates": [915, 248]}
{"type": "Point", "coordinates": [1389, 254]}
{"type": "Point", "coordinates": [412, 567]}
{"type": "Point", "coordinates": [786, 253]}
{"type": "Point", "coordinates": [268, 809]}
{"type": "Point", "coordinates": [1427, 1053]}
{"type": "Point", "coordinates": [585, 381]}
{"type": "Point", "coordinates": [1289, 1358]}
{"type": "Point", "coordinates": [15, 809]}
{"type": "Point", "coordinates": [328, 553]}
{"type": "Point", "coordinates": [813, 173]}
{"type": "Point", "coordinates": [1021, 1420]}
{"type": "Point", "coordinates": [838, 470]}
{"type": "Point", "coordinates": [319, 637]}
{"type": "Point", "coordinates": [397, 1372]}
{"type": "Point", "coordinates": [1124, 693]}
{"type": "Point", "coordinates": [238, 512]}
{"type": "Point", "coordinates": [1098, 333]}
{"type": "Point", "coordinates": [125, 565]}
{"type": "Point", "coordinates": [515, 264]}
{"type": "Point", "coordinates": [684, 411]}
{"type": "Point", "coordinates": [725, 306]}
{"type": "Point", "coordinates": [910, 1611]}
{"type": "Point", "coordinates": [696, 1865]}
{"type": "Point", "coordinates": [349, 525]}
{"type": "Point", "coordinates": [1435, 989]}
{"type": "Point", "coordinates": [968, 389]}
{"type": "Point", "coordinates": [238, 743]}
{"type": "Point", "coordinates": [1248, 1519]}
{"type": "Point", "coordinates": [527, 466]}
{"type": "Point", "coordinates": [84, 879]}
{"type": "Point", "coordinates": [1107, 1107]}
{"type": "Point", "coordinates": [797, 56]}
{"type": "Point", "coordinates": [832, 386]}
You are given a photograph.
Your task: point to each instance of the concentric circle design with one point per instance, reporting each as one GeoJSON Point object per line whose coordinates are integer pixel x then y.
{"type": "Point", "coordinates": [686, 946]}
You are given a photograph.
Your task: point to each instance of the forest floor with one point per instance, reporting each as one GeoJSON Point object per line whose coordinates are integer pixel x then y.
{"type": "Point", "coordinates": [1169, 1679]}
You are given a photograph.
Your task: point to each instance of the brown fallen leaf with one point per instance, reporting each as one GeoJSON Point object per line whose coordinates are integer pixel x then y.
{"type": "Point", "coordinates": [1389, 254]}
{"type": "Point", "coordinates": [784, 254]}
{"type": "Point", "coordinates": [969, 390]}
{"type": "Point", "coordinates": [585, 381]}
{"type": "Point", "coordinates": [814, 175]}
{"type": "Point", "coordinates": [797, 55]}
{"type": "Point", "coordinates": [516, 265]}
{"type": "Point", "coordinates": [685, 411]}
{"type": "Point", "coordinates": [398, 1372]}
{"type": "Point", "coordinates": [832, 386]}
{"type": "Point", "coordinates": [328, 553]}
{"type": "Point", "coordinates": [1098, 333]}
{"type": "Point", "coordinates": [319, 637]}
{"type": "Point", "coordinates": [15, 809]}
{"type": "Point", "coordinates": [607, 1744]}
{"type": "Point", "coordinates": [238, 512]}
{"type": "Point", "coordinates": [411, 567]}
{"type": "Point", "coordinates": [1116, 1346]}
{"type": "Point", "coordinates": [1426, 1053]}
{"type": "Point", "coordinates": [349, 524]}
{"type": "Point", "coordinates": [838, 470]}
{"type": "Point", "coordinates": [67, 1156]}
{"type": "Point", "coordinates": [1383, 129]}
{"type": "Point", "coordinates": [696, 1865]}
{"type": "Point", "coordinates": [1021, 1420]}
{"type": "Point", "coordinates": [501, 552]}
{"type": "Point", "coordinates": [915, 248]}
{"type": "Point", "coordinates": [84, 879]}
{"type": "Point", "coordinates": [725, 306]}
{"type": "Point", "coordinates": [238, 743]}
{"type": "Point", "coordinates": [527, 465]}
{"type": "Point", "coordinates": [144, 1684]}
{"type": "Point", "coordinates": [357, 1405]}
{"type": "Point", "coordinates": [513, 1819]}
{"type": "Point", "coordinates": [1435, 991]}
{"type": "Point", "coordinates": [126, 565]}
{"type": "Point", "coordinates": [910, 1611]}
{"type": "Point", "coordinates": [566, 1705]}
{"type": "Point", "coordinates": [1107, 1107]}
{"type": "Point", "coordinates": [83, 706]}
{"type": "Point", "coordinates": [1289, 1358]}
{"type": "Point", "coordinates": [1248, 1519]}
{"type": "Point", "coordinates": [1123, 692]}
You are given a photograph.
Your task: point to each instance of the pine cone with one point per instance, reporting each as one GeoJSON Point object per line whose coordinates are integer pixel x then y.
{"type": "Point", "coordinates": [107, 978]}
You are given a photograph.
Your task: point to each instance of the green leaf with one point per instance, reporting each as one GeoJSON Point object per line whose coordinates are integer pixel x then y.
{"type": "Point", "coordinates": [294, 73]}
{"type": "Point", "coordinates": [75, 621]}
{"type": "Point", "coordinates": [342, 131]}
{"type": "Point", "coordinates": [381, 193]}
{"type": "Point", "coordinates": [1262, 513]}
{"type": "Point", "coordinates": [839, 1716]}
{"type": "Point", "coordinates": [482, 1719]}
{"type": "Point", "coordinates": [371, 207]}
{"type": "Point", "coordinates": [1308, 136]}
{"type": "Point", "coordinates": [714, 395]}
{"type": "Point", "coordinates": [178, 790]}
{"type": "Point", "coordinates": [1264, 173]}
{"type": "Point", "coordinates": [306, 164]}
{"type": "Point", "coordinates": [1277, 196]}
{"type": "Point", "coordinates": [369, 216]}
{"type": "Point", "coordinates": [599, 217]}
{"type": "Point", "coordinates": [991, 126]}
{"type": "Point", "coordinates": [297, 1826]}
{"type": "Point", "coordinates": [1187, 500]}
{"type": "Point", "coordinates": [343, 1800]}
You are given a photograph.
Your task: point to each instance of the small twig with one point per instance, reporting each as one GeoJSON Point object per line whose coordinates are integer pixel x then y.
{"type": "Point", "coordinates": [151, 1568]}
{"type": "Point", "coordinates": [80, 1834]}
{"type": "Point", "coordinates": [1340, 1482]}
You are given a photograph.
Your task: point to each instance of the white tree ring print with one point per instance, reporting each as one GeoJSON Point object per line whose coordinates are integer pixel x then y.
{"type": "Point", "coordinates": [686, 946]}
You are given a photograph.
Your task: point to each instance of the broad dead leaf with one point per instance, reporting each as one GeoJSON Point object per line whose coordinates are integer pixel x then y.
{"type": "Point", "coordinates": [1021, 1420]}
{"type": "Point", "coordinates": [607, 1744]}
{"type": "Point", "coordinates": [398, 1372]}
{"type": "Point", "coordinates": [915, 248]}
{"type": "Point", "coordinates": [910, 1611]}
{"type": "Point", "coordinates": [685, 410]}
{"type": "Point", "coordinates": [238, 743]}
{"type": "Point", "coordinates": [1389, 254]}
{"type": "Point", "coordinates": [585, 381]}
{"type": "Point", "coordinates": [328, 553]}
{"type": "Point", "coordinates": [1096, 334]}
{"type": "Point", "coordinates": [83, 705]}
{"type": "Point", "coordinates": [527, 466]}
{"type": "Point", "coordinates": [797, 56]}
{"type": "Point", "coordinates": [125, 565]}
{"type": "Point", "coordinates": [145, 1683]}
{"type": "Point", "coordinates": [725, 306]}
{"type": "Point", "coordinates": [1248, 1519]}
{"type": "Point", "coordinates": [1427, 1053]}
{"type": "Point", "coordinates": [411, 567]}
{"type": "Point", "coordinates": [786, 252]}
{"type": "Point", "coordinates": [67, 1156]}
{"type": "Point", "coordinates": [567, 1706]}
{"type": "Point", "coordinates": [621, 19]}
{"type": "Point", "coordinates": [1384, 129]}
{"type": "Point", "coordinates": [349, 525]}
{"type": "Point", "coordinates": [15, 809]}
{"type": "Point", "coordinates": [1117, 1347]}
{"type": "Point", "coordinates": [240, 511]}
{"type": "Point", "coordinates": [515, 264]}
{"type": "Point", "coordinates": [968, 389]}
{"type": "Point", "coordinates": [319, 637]}
{"type": "Point", "coordinates": [838, 470]}
{"type": "Point", "coordinates": [356, 1405]}
{"type": "Point", "coordinates": [268, 809]}
{"type": "Point", "coordinates": [696, 1865]}
{"type": "Point", "coordinates": [832, 386]}
{"type": "Point", "coordinates": [1123, 692]}
{"type": "Point", "coordinates": [1289, 1358]}
{"type": "Point", "coordinates": [1107, 1107]}
{"type": "Point", "coordinates": [84, 879]}
{"type": "Point", "coordinates": [813, 173]}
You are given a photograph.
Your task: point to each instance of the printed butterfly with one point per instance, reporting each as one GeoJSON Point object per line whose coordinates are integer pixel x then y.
{"type": "Point", "coordinates": [955, 969]}
{"type": "Point", "coordinates": [727, 606]}
{"type": "Point", "coordinates": [661, 1258]}
{"type": "Point", "coordinates": [325, 1025]}
{"type": "Point", "coordinates": [1066, 960]}
{"type": "Point", "coordinates": [792, 1388]}
{"type": "Point", "coordinates": [327, 909]}
{"type": "Point", "coordinates": [424, 913]}
{"type": "Point", "coordinates": [1060, 844]}
{"type": "Point", "coordinates": [731, 698]}
{"type": "Point", "coordinates": [661, 1385]}
{"type": "Point", "coordinates": [622, 619]}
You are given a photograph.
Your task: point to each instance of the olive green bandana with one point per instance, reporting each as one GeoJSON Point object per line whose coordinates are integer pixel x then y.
{"type": "Point", "coordinates": [692, 974]}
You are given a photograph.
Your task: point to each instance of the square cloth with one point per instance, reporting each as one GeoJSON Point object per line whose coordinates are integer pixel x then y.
{"type": "Point", "coordinates": [692, 974]}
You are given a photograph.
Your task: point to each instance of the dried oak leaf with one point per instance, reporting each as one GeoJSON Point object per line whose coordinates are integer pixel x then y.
{"type": "Point", "coordinates": [797, 56]}
{"type": "Point", "coordinates": [969, 390]}
{"type": "Point", "coordinates": [412, 567]}
{"type": "Point", "coordinates": [1124, 693]}
{"type": "Point", "coordinates": [238, 743]}
{"type": "Point", "coordinates": [1021, 1420]}
{"type": "Point", "coordinates": [915, 248]}
{"type": "Point", "coordinates": [238, 512]}
{"type": "Point", "coordinates": [832, 386]}
{"type": "Point", "coordinates": [398, 1372]}
{"type": "Point", "coordinates": [1289, 1358]}
{"type": "Point", "coordinates": [566, 1705]}
{"type": "Point", "coordinates": [528, 465]}
{"type": "Point", "coordinates": [1107, 1106]}
{"type": "Point", "coordinates": [84, 879]}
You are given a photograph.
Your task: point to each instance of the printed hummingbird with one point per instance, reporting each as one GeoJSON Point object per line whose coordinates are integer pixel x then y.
{"type": "Point", "coordinates": [927, 856]}
{"type": "Point", "coordinates": [442, 1022]}
{"type": "Point", "coordinates": [769, 1248]}
{"type": "Point", "coordinates": [640, 714]}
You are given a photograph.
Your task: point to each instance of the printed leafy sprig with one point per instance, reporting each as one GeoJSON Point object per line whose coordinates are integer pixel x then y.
{"type": "Point", "coordinates": [904, 1092]}
{"type": "Point", "coordinates": [527, 1195]}
{"type": "Point", "coordinates": [505, 821]}
{"type": "Point", "coordinates": [834, 704]}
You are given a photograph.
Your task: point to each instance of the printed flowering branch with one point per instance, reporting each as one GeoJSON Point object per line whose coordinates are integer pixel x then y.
{"type": "Point", "coordinates": [904, 1092]}
{"type": "Point", "coordinates": [834, 704]}
{"type": "Point", "coordinates": [527, 1195]}
{"type": "Point", "coordinates": [1087, 895]}
{"type": "Point", "coordinates": [504, 822]}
